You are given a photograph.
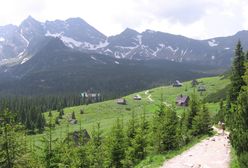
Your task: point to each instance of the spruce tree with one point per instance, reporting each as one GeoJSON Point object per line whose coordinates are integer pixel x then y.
{"type": "Point", "coordinates": [220, 116]}
{"type": "Point", "coordinates": [73, 116]}
{"type": "Point", "coordinates": [169, 128]}
{"type": "Point", "coordinates": [136, 141]}
{"type": "Point", "coordinates": [157, 129]}
{"type": "Point", "coordinates": [194, 107]}
{"type": "Point", "coordinates": [184, 135]}
{"type": "Point", "coordinates": [40, 123]}
{"type": "Point", "coordinates": [206, 125]}
{"type": "Point", "coordinates": [96, 148]}
{"type": "Point", "coordinates": [117, 146]}
{"type": "Point", "coordinates": [131, 128]}
{"type": "Point", "coordinates": [239, 131]}
{"type": "Point", "coordinates": [201, 122]}
{"type": "Point", "coordinates": [50, 153]}
{"type": "Point", "coordinates": [165, 125]}
{"type": "Point", "coordinates": [238, 70]}
{"type": "Point", "coordinates": [13, 153]}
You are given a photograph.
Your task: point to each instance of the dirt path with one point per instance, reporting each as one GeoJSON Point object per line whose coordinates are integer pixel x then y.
{"type": "Point", "coordinates": [213, 152]}
{"type": "Point", "coordinates": [149, 96]}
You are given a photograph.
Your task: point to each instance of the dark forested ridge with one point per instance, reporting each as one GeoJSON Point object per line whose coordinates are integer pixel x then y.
{"type": "Point", "coordinates": [58, 70]}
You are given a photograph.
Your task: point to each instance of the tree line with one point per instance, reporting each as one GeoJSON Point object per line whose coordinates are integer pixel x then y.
{"type": "Point", "coordinates": [234, 111]}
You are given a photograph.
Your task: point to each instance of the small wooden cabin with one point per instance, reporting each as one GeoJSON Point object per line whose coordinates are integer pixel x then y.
{"type": "Point", "coordinates": [91, 97]}
{"type": "Point", "coordinates": [121, 101]}
{"type": "Point", "coordinates": [177, 83]}
{"type": "Point", "coordinates": [201, 88]}
{"type": "Point", "coordinates": [194, 82]}
{"type": "Point", "coordinates": [182, 100]}
{"type": "Point", "coordinates": [137, 97]}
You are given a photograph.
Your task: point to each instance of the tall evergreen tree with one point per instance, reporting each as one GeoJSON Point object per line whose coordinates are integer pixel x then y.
{"type": "Point", "coordinates": [40, 123]}
{"type": "Point", "coordinates": [238, 70]}
{"type": "Point", "coordinates": [239, 131]}
{"type": "Point", "coordinates": [13, 152]}
{"type": "Point", "coordinates": [165, 125]}
{"type": "Point", "coordinates": [73, 116]}
{"type": "Point", "coordinates": [117, 146]}
{"type": "Point", "coordinates": [96, 148]}
{"type": "Point", "coordinates": [194, 107]}
{"type": "Point", "coordinates": [201, 122]}
{"type": "Point", "coordinates": [220, 116]}
{"type": "Point", "coordinates": [50, 158]}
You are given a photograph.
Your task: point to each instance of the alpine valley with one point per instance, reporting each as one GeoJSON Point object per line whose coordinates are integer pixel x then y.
{"type": "Point", "coordinates": [66, 57]}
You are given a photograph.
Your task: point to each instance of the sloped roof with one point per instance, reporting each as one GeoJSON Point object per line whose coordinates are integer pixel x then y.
{"type": "Point", "coordinates": [182, 98]}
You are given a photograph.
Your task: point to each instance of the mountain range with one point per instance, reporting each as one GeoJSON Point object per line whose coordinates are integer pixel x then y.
{"type": "Point", "coordinates": [19, 43]}
{"type": "Point", "coordinates": [57, 57]}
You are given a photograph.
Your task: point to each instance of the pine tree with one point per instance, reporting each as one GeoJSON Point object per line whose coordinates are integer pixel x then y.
{"type": "Point", "coordinates": [73, 116]}
{"type": "Point", "coordinates": [134, 141]}
{"type": "Point", "coordinates": [40, 123]}
{"type": "Point", "coordinates": [194, 107]}
{"type": "Point", "coordinates": [220, 116]}
{"type": "Point", "coordinates": [184, 135]}
{"type": "Point", "coordinates": [50, 114]}
{"type": "Point", "coordinates": [96, 148]}
{"type": "Point", "coordinates": [206, 125]}
{"type": "Point", "coordinates": [117, 146]}
{"type": "Point", "coordinates": [66, 155]}
{"type": "Point", "coordinates": [165, 125]}
{"type": "Point", "coordinates": [201, 122]}
{"type": "Point", "coordinates": [13, 153]}
{"type": "Point", "coordinates": [238, 70]}
{"type": "Point", "coordinates": [131, 129]}
{"type": "Point", "coordinates": [50, 153]}
{"type": "Point", "coordinates": [157, 131]}
{"type": "Point", "coordinates": [83, 156]}
{"type": "Point", "coordinates": [169, 128]}
{"type": "Point", "coordinates": [239, 131]}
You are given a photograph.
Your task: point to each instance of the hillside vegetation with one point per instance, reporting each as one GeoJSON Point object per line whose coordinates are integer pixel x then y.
{"type": "Point", "coordinates": [107, 112]}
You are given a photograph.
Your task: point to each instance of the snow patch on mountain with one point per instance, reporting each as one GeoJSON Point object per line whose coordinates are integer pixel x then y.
{"type": "Point", "coordinates": [27, 42]}
{"type": "Point", "coordinates": [171, 48]}
{"type": "Point", "coordinates": [2, 39]}
{"type": "Point", "coordinates": [212, 43]}
{"type": "Point", "coordinates": [102, 45]}
{"type": "Point", "coordinates": [161, 45]}
{"type": "Point", "coordinates": [108, 50]}
{"type": "Point", "coordinates": [21, 53]}
{"type": "Point", "coordinates": [24, 60]}
{"type": "Point", "coordinates": [227, 48]}
{"type": "Point", "coordinates": [139, 38]}
{"type": "Point", "coordinates": [155, 52]}
{"type": "Point", "coordinates": [93, 58]}
{"type": "Point", "coordinates": [116, 62]}
{"type": "Point", "coordinates": [97, 60]}
{"type": "Point", "coordinates": [130, 48]}
{"type": "Point", "coordinates": [70, 42]}
{"type": "Point", "coordinates": [213, 57]}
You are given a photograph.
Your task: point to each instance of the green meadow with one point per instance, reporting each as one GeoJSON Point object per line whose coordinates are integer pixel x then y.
{"type": "Point", "coordinates": [107, 112]}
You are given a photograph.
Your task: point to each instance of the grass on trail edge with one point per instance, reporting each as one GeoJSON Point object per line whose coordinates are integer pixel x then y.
{"type": "Point", "coordinates": [234, 160]}
{"type": "Point", "coordinates": [157, 160]}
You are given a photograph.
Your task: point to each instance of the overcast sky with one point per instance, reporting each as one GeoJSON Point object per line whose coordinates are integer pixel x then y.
{"type": "Point", "coordinates": [199, 19]}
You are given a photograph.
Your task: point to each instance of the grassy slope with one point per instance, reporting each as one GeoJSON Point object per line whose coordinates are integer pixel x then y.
{"type": "Point", "coordinates": [107, 112]}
